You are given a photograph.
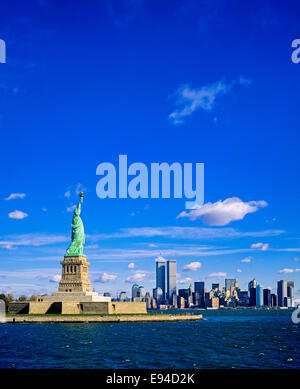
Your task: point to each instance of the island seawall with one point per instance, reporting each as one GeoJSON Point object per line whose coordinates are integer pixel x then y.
{"type": "Point", "coordinates": [99, 319]}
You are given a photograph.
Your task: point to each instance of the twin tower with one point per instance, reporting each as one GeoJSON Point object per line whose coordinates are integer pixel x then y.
{"type": "Point", "coordinates": [164, 294]}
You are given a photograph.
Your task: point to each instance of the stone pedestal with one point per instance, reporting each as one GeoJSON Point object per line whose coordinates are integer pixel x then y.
{"type": "Point", "coordinates": [75, 275]}
{"type": "Point", "coordinates": [75, 285]}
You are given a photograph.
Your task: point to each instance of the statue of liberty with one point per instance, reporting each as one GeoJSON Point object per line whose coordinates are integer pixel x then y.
{"type": "Point", "coordinates": [76, 246]}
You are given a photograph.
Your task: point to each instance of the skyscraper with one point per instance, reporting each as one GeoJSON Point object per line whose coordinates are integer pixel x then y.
{"type": "Point", "coordinates": [230, 283]}
{"type": "Point", "coordinates": [199, 287]}
{"type": "Point", "coordinates": [282, 293]}
{"type": "Point", "coordinates": [252, 301]}
{"type": "Point", "coordinates": [134, 292]}
{"type": "Point", "coordinates": [252, 284]}
{"type": "Point", "coordinates": [158, 295]}
{"type": "Point", "coordinates": [216, 287]}
{"type": "Point", "coordinates": [274, 300]}
{"type": "Point", "coordinates": [267, 297]}
{"type": "Point", "coordinates": [171, 279]}
{"type": "Point", "coordinates": [259, 296]}
{"type": "Point", "coordinates": [141, 292]}
{"type": "Point", "coordinates": [161, 275]}
{"type": "Point", "coordinates": [290, 294]}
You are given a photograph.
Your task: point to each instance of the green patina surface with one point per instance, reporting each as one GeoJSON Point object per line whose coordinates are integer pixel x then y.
{"type": "Point", "coordinates": [76, 246]}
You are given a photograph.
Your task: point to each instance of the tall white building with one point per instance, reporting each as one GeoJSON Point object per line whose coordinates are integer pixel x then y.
{"type": "Point", "coordinates": [171, 279]}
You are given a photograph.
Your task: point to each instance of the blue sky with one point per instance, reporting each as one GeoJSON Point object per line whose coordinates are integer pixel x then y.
{"type": "Point", "coordinates": [187, 81]}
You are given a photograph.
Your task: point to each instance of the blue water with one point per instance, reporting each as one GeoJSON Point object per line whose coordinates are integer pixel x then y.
{"type": "Point", "coordinates": [226, 339]}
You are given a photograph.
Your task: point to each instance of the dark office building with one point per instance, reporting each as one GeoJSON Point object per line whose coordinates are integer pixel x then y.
{"type": "Point", "coordinates": [274, 300]}
{"type": "Point", "coordinates": [199, 288]}
{"type": "Point", "coordinates": [243, 298]}
{"type": "Point", "coordinates": [267, 298]}
{"type": "Point", "coordinates": [184, 293]}
{"type": "Point", "coordinates": [252, 301]}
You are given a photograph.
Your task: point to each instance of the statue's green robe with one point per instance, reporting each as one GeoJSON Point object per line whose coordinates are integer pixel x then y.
{"type": "Point", "coordinates": [76, 246]}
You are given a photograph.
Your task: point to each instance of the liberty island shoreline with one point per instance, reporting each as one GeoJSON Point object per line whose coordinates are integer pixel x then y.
{"type": "Point", "coordinates": [101, 319]}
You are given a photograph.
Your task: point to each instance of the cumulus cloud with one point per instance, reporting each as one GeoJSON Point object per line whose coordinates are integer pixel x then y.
{"type": "Point", "coordinates": [239, 270]}
{"type": "Point", "coordinates": [14, 196]}
{"type": "Point", "coordinates": [17, 215]}
{"type": "Point", "coordinates": [192, 266]}
{"type": "Point", "coordinates": [261, 246]}
{"type": "Point", "coordinates": [137, 277]}
{"type": "Point", "coordinates": [221, 212]}
{"type": "Point", "coordinates": [67, 194]}
{"type": "Point", "coordinates": [246, 260]}
{"type": "Point", "coordinates": [287, 271]}
{"type": "Point", "coordinates": [55, 278]}
{"type": "Point", "coordinates": [186, 280]}
{"type": "Point", "coordinates": [190, 99]}
{"type": "Point", "coordinates": [131, 265]}
{"type": "Point", "coordinates": [216, 275]}
{"type": "Point", "coordinates": [105, 277]}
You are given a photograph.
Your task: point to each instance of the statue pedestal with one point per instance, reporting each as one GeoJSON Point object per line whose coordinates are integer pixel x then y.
{"type": "Point", "coordinates": [75, 284]}
{"type": "Point", "coordinates": [75, 275]}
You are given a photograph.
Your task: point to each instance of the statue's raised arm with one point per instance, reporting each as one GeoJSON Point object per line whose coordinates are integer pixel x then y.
{"type": "Point", "coordinates": [76, 246]}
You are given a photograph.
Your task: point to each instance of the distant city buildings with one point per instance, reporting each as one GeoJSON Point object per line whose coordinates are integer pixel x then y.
{"type": "Point", "coordinates": [165, 294]}
{"type": "Point", "coordinates": [285, 293]}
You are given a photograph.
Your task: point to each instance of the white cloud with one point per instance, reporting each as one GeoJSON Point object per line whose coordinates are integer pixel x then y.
{"type": "Point", "coordinates": [131, 265]}
{"type": "Point", "coordinates": [192, 266]}
{"type": "Point", "coordinates": [187, 280]}
{"type": "Point", "coordinates": [55, 278]}
{"type": "Point", "coordinates": [287, 271]}
{"type": "Point", "coordinates": [17, 215]}
{"type": "Point", "coordinates": [152, 245]}
{"type": "Point", "coordinates": [105, 277]}
{"type": "Point", "coordinates": [191, 99]}
{"type": "Point", "coordinates": [14, 196]}
{"type": "Point", "coordinates": [246, 260]}
{"type": "Point", "coordinates": [239, 270]}
{"type": "Point", "coordinates": [137, 277]}
{"type": "Point", "coordinates": [261, 246]}
{"type": "Point", "coordinates": [67, 194]}
{"type": "Point", "coordinates": [222, 213]}
{"type": "Point", "coordinates": [71, 209]}
{"type": "Point", "coordinates": [216, 275]}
